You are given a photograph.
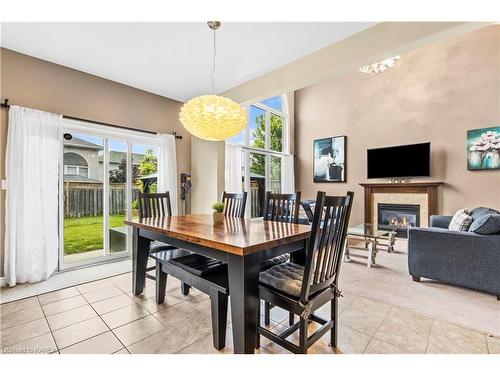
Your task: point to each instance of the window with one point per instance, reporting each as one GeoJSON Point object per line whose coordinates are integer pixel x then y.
{"type": "Point", "coordinates": [75, 164]}
{"type": "Point", "coordinates": [265, 144]}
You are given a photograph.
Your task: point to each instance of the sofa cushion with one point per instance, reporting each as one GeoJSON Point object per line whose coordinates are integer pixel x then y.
{"type": "Point", "coordinates": [477, 212]}
{"type": "Point", "coordinates": [486, 224]}
{"type": "Point", "coordinates": [461, 221]}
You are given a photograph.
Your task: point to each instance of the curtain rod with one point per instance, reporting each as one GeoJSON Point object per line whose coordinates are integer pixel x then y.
{"type": "Point", "coordinates": [6, 105]}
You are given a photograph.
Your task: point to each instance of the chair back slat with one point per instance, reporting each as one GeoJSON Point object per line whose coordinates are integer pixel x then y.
{"type": "Point", "coordinates": [326, 243]}
{"type": "Point", "coordinates": [154, 205]}
{"type": "Point", "coordinates": [282, 207]}
{"type": "Point", "coordinates": [234, 204]}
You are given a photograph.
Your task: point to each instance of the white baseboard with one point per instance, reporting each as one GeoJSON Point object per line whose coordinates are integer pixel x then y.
{"type": "Point", "coordinates": [2, 282]}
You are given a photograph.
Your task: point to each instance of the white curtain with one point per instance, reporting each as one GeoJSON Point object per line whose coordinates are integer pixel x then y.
{"type": "Point", "coordinates": [288, 174]}
{"type": "Point", "coordinates": [32, 199]}
{"type": "Point", "coordinates": [167, 169]}
{"type": "Point", "coordinates": [233, 170]}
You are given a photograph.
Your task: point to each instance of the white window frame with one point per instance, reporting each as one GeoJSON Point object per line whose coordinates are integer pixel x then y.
{"type": "Point", "coordinates": [130, 137]}
{"type": "Point", "coordinates": [77, 170]}
{"type": "Point", "coordinates": [267, 152]}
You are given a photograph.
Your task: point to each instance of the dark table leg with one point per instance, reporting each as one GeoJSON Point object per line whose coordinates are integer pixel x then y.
{"type": "Point", "coordinates": [140, 255]}
{"type": "Point", "coordinates": [243, 289]}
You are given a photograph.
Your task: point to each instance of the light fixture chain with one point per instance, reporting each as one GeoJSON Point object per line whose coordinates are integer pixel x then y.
{"type": "Point", "coordinates": [213, 69]}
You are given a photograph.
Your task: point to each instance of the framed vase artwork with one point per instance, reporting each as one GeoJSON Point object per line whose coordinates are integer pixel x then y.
{"type": "Point", "coordinates": [483, 149]}
{"type": "Point", "coordinates": [329, 159]}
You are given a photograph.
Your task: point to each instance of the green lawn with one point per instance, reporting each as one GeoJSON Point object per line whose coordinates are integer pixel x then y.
{"type": "Point", "coordinates": [86, 233]}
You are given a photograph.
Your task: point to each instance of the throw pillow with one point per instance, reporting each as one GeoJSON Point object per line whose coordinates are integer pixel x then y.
{"type": "Point", "coordinates": [461, 221]}
{"type": "Point", "coordinates": [477, 212]}
{"type": "Point", "coordinates": [486, 224]}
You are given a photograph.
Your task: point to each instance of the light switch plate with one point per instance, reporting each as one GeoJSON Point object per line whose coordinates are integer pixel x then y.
{"type": "Point", "coordinates": [4, 184]}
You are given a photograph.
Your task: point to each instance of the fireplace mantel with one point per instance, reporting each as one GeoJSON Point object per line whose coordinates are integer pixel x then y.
{"type": "Point", "coordinates": [428, 188]}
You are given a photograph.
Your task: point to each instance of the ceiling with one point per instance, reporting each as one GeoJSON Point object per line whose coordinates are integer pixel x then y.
{"type": "Point", "coordinates": [174, 59]}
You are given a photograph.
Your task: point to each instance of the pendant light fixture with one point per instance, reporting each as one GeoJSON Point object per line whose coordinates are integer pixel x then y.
{"type": "Point", "coordinates": [213, 117]}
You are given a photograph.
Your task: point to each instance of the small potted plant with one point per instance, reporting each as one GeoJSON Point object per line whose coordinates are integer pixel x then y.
{"type": "Point", "coordinates": [218, 214]}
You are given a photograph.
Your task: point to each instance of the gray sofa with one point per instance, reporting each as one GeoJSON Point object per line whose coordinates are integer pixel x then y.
{"type": "Point", "coordinates": [464, 259]}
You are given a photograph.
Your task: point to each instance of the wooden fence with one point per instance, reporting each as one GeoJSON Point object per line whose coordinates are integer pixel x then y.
{"type": "Point", "coordinates": [86, 199]}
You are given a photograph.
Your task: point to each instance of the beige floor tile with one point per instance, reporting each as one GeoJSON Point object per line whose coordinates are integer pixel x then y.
{"type": "Point", "coordinates": [194, 329]}
{"type": "Point", "coordinates": [364, 315]}
{"type": "Point", "coordinates": [105, 343]}
{"type": "Point", "coordinates": [147, 293]}
{"type": "Point", "coordinates": [350, 341]}
{"type": "Point", "coordinates": [493, 345]}
{"type": "Point", "coordinates": [127, 314]}
{"type": "Point", "coordinates": [451, 339]}
{"type": "Point", "coordinates": [64, 305]}
{"type": "Point", "coordinates": [20, 317]}
{"type": "Point", "coordinates": [102, 294]}
{"type": "Point", "coordinates": [14, 335]}
{"type": "Point", "coordinates": [379, 347]}
{"type": "Point", "coordinates": [320, 347]}
{"type": "Point", "coordinates": [113, 303]}
{"type": "Point", "coordinates": [151, 305]}
{"type": "Point", "coordinates": [24, 304]}
{"type": "Point", "coordinates": [205, 346]}
{"type": "Point", "coordinates": [94, 285]}
{"type": "Point", "coordinates": [130, 333]}
{"type": "Point", "coordinates": [78, 332]}
{"type": "Point", "coordinates": [174, 315]}
{"type": "Point", "coordinates": [43, 344]}
{"type": "Point", "coordinates": [123, 351]}
{"type": "Point", "coordinates": [58, 295]}
{"type": "Point", "coordinates": [163, 342]}
{"type": "Point", "coordinates": [124, 282]}
{"type": "Point", "coordinates": [69, 317]}
{"type": "Point", "coordinates": [173, 283]}
{"type": "Point", "coordinates": [120, 279]}
{"type": "Point", "coordinates": [408, 331]}
{"type": "Point", "coordinates": [344, 302]}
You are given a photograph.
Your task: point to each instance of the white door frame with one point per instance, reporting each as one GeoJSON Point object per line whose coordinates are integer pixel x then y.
{"type": "Point", "coordinates": [130, 137]}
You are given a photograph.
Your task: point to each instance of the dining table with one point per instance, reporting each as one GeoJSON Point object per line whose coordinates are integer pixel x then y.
{"type": "Point", "coordinates": [241, 243]}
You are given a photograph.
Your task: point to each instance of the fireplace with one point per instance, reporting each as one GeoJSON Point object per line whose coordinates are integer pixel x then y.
{"type": "Point", "coordinates": [399, 217]}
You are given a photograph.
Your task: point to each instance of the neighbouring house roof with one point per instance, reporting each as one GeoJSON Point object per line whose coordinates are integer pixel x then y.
{"type": "Point", "coordinates": [77, 142]}
{"type": "Point", "coordinates": [117, 156]}
{"type": "Point", "coordinates": [78, 178]}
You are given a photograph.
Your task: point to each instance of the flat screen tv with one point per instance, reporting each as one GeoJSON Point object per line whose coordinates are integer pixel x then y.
{"type": "Point", "coordinates": [400, 161]}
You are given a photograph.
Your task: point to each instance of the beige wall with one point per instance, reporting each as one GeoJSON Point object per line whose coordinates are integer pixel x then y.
{"type": "Point", "coordinates": [435, 94]}
{"type": "Point", "coordinates": [207, 170]}
{"type": "Point", "coordinates": [372, 44]}
{"type": "Point", "coordinates": [42, 85]}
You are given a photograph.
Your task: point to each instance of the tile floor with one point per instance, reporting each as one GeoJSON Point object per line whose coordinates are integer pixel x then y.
{"type": "Point", "coordinates": [104, 317]}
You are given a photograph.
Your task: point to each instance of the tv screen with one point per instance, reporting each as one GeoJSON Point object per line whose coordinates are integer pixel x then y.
{"type": "Point", "coordinates": [400, 161]}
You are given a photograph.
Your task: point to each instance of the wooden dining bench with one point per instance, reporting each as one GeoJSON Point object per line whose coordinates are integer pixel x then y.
{"type": "Point", "coordinates": [205, 274]}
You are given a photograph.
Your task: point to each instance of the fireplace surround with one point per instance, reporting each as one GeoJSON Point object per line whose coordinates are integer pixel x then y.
{"type": "Point", "coordinates": [423, 194]}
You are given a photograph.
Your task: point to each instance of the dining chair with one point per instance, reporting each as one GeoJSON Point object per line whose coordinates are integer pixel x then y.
{"type": "Point", "coordinates": [158, 205]}
{"type": "Point", "coordinates": [308, 206]}
{"type": "Point", "coordinates": [206, 274]}
{"type": "Point", "coordinates": [282, 208]}
{"type": "Point", "coordinates": [234, 204]}
{"type": "Point", "coordinates": [304, 289]}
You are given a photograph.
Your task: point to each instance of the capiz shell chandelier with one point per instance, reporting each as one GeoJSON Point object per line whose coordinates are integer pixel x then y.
{"type": "Point", "coordinates": [213, 117]}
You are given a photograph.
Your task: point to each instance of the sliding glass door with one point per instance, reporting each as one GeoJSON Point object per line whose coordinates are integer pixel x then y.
{"type": "Point", "coordinates": [83, 193]}
{"type": "Point", "coordinates": [102, 171]}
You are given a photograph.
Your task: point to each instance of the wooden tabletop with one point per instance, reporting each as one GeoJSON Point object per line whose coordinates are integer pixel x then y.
{"type": "Point", "coordinates": [236, 236]}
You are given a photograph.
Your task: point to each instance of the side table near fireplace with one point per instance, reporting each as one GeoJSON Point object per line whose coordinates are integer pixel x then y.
{"type": "Point", "coordinates": [372, 237]}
